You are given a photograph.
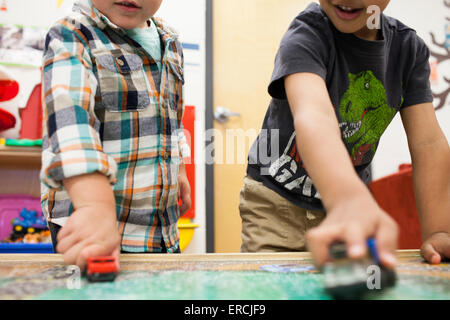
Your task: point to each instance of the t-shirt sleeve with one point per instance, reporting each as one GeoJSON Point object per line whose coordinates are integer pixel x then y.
{"type": "Point", "coordinates": [416, 88]}
{"type": "Point", "coordinates": [302, 49]}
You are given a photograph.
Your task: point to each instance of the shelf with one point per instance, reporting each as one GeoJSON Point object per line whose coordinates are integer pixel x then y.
{"type": "Point", "coordinates": [20, 157]}
{"type": "Point", "coordinates": [26, 248]}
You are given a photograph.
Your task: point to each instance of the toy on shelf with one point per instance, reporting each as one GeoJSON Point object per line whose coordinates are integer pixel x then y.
{"type": "Point", "coordinates": [10, 206]}
{"type": "Point", "coordinates": [40, 237]}
{"type": "Point", "coordinates": [22, 224]}
{"type": "Point", "coordinates": [7, 120]}
{"type": "Point", "coordinates": [9, 89]}
{"type": "Point", "coordinates": [29, 227]}
{"type": "Point", "coordinates": [23, 142]}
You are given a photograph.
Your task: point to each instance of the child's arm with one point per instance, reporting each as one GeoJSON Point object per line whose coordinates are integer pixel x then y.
{"type": "Point", "coordinates": [74, 157]}
{"type": "Point", "coordinates": [352, 213]}
{"type": "Point", "coordinates": [91, 230]}
{"type": "Point", "coordinates": [430, 155]}
{"type": "Point", "coordinates": [184, 188]}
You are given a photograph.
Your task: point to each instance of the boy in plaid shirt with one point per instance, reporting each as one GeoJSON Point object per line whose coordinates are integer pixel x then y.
{"type": "Point", "coordinates": [112, 168]}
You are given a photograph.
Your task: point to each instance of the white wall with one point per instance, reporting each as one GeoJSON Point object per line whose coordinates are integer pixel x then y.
{"type": "Point", "coordinates": [187, 17]}
{"type": "Point", "coordinates": [424, 16]}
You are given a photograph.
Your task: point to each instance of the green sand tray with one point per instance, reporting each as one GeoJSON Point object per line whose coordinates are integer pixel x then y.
{"type": "Point", "coordinates": [206, 278]}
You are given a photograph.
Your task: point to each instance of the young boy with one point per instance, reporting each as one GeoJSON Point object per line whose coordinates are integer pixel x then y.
{"type": "Point", "coordinates": [336, 86]}
{"type": "Point", "coordinates": [112, 168]}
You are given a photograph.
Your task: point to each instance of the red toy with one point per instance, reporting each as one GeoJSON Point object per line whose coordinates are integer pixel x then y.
{"type": "Point", "coordinates": [8, 91]}
{"type": "Point", "coordinates": [7, 120]}
{"type": "Point", "coordinates": [31, 115]}
{"type": "Point", "coordinates": [102, 269]}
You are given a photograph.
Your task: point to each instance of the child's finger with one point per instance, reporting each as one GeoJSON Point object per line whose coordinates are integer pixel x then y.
{"type": "Point", "coordinates": [430, 254]}
{"type": "Point", "coordinates": [319, 240]}
{"type": "Point", "coordinates": [64, 232]}
{"type": "Point", "coordinates": [387, 237]}
{"type": "Point", "coordinates": [443, 246]}
{"type": "Point", "coordinates": [67, 242]}
{"type": "Point", "coordinates": [92, 250]}
{"type": "Point", "coordinates": [355, 239]}
{"type": "Point", "coordinates": [116, 254]}
{"type": "Point", "coordinates": [70, 256]}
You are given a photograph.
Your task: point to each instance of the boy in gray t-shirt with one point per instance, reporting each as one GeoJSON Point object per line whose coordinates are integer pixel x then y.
{"type": "Point", "coordinates": [336, 86]}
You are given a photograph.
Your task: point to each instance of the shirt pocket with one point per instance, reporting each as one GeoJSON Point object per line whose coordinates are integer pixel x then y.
{"type": "Point", "coordinates": [122, 81]}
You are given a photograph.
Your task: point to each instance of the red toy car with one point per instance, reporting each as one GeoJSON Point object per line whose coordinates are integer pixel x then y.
{"type": "Point", "coordinates": [102, 269]}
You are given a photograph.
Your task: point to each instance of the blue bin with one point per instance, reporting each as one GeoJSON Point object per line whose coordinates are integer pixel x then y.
{"type": "Point", "coordinates": [26, 248]}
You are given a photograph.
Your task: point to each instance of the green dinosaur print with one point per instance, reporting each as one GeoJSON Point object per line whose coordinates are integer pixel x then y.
{"type": "Point", "coordinates": [364, 115]}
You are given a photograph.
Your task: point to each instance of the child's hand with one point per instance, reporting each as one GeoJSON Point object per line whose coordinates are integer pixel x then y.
{"type": "Point", "coordinates": [184, 192]}
{"type": "Point", "coordinates": [89, 232]}
{"type": "Point", "coordinates": [354, 221]}
{"type": "Point", "coordinates": [436, 248]}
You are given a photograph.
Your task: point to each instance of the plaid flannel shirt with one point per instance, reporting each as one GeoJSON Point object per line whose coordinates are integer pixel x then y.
{"type": "Point", "coordinates": [108, 109]}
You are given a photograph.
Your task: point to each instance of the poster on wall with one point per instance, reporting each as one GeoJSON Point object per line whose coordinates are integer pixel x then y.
{"type": "Point", "coordinates": [440, 61]}
{"type": "Point", "coordinates": [23, 26]}
{"type": "Point", "coordinates": [24, 23]}
{"type": "Point", "coordinates": [21, 46]}
{"type": "Point", "coordinates": [431, 21]}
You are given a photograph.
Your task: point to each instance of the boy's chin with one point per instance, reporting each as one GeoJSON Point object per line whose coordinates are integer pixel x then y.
{"type": "Point", "coordinates": [348, 28]}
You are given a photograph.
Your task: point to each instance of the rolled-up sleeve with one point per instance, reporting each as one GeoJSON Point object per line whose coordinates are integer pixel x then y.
{"type": "Point", "coordinates": [71, 138]}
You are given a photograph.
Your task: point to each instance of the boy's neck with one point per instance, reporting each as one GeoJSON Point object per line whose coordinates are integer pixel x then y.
{"type": "Point", "coordinates": [145, 25]}
{"type": "Point", "coordinates": [368, 34]}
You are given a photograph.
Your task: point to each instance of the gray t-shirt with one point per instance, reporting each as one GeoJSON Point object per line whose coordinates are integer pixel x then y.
{"type": "Point", "coordinates": [367, 81]}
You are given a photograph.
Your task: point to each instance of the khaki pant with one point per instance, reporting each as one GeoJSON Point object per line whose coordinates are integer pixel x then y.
{"type": "Point", "coordinates": [271, 223]}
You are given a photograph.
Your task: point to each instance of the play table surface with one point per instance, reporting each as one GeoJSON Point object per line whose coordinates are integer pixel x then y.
{"type": "Point", "coordinates": [256, 276]}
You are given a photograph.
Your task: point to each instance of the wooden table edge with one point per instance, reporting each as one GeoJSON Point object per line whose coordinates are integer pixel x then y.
{"type": "Point", "coordinates": [130, 257]}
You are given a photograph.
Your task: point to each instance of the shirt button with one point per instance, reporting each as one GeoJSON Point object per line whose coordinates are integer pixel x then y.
{"type": "Point", "coordinates": [120, 62]}
{"type": "Point", "coordinates": [164, 155]}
